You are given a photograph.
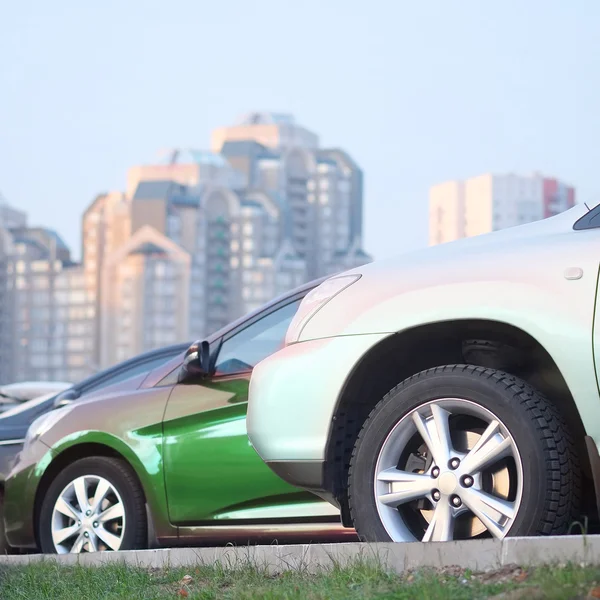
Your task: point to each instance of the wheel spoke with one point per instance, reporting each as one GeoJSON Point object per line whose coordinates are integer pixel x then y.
{"type": "Point", "coordinates": [495, 513]}
{"type": "Point", "coordinates": [436, 433]}
{"type": "Point", "coordinates": [489, 449]}
{"type": "Point", "coordinates": [92, 546]}
{"type": "Point", "coordinates": [78, 545]}
{"type": "Point", "coordinates": [115, 511]}
{"type": "Point", "coordinates": [81, 494]}
{"type": "Point", "coordinates": [112, 541]}
{"type": "Point", "coordinates": [64, 534]}
{"type": "Point", "coordinates": [102, 489]}
{"type": "Point", "coordinates": [441, 527]}
{"type": "Point", "coordinates": [412, 486]}
{"type": "Point", "coordinates": [64, 508]}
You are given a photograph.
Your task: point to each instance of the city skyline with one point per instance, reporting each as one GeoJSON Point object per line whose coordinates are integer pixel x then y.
{"type": "Point", "coordinates": [135, 174]}
{"type": "Point", "coordinates": [187, 246]}
{"type": "Point", "coordinates": [430, 92]}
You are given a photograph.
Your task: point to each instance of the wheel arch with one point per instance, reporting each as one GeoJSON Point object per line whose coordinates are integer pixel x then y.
{"type": "Point", "coordinates": [416, 349]}
{"type": "Point", "coordinates": [68, 456]}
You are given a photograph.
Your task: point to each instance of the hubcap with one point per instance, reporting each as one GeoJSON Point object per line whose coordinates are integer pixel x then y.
{"type": "Point", "coordinates": [88, 516]}
{"type": "Point", "coordinates": [449, 469]}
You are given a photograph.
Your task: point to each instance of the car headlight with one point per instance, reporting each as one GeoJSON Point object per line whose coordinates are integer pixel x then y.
{"type": "Point", "coordinates": [44, 423]}
{"type": "Point", "coordinates": [315, 300]}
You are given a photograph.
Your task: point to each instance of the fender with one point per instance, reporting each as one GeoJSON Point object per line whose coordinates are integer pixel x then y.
{"type": "Point", "coordinates": [529, 291]}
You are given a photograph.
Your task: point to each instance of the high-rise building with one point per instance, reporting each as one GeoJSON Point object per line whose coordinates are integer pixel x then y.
{"type": "Point", "coordinates": [490, 202]}
{"type": "Point", "coordinates": [277, 131]}
{"type": "Point", "coordinates": [106, 226]}
{"type": "Point", "coordinates": [187, 167]}
{"type": "Point", "coordinates": [47, 316]}
{"type": "Point", "coordinates": [146, 296]}
{"type": "Point", "coordinates": [264, 211]}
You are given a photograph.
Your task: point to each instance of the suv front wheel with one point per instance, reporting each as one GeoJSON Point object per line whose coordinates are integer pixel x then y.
{"type": "Point", "coordinates": [463, 452]}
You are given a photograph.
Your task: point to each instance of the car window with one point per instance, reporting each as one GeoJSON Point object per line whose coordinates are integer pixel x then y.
{"type": "Point", "coordinates": [133, 370]}
{"type": "Point", "coordinates": [244, 350]}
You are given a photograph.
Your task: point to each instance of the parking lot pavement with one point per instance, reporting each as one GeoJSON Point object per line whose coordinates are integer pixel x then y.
{"type": "Point", "coordinates": [478, 555]}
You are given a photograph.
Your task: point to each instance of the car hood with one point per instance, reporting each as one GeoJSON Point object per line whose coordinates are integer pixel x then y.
{"type": "Point", "coordinates": [514, 240]}
{"type": "Point", "coordinates": [424, 278]}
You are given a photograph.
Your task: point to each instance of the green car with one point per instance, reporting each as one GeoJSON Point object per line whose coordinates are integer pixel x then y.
{"type": "Point", "coordinates": [163, 458]}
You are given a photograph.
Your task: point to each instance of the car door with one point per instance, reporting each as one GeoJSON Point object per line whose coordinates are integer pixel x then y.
{"type": "Point", "coordinates": [211, 471]}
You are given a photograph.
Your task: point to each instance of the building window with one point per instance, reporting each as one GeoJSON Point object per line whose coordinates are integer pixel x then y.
{"type": "Point", "coordinates": [40, 283]}
{"type": "Point", "coordinates": [248, 229]}
{"type": "Point", "coordinates": [40, 266]}
{"type": "Point", "coordinates": [323, 198]}
{"type": "Point", "coordinates": [77, 297]}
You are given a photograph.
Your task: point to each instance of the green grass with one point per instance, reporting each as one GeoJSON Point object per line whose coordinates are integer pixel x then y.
{"type": "Point", "coordinates": [47, 580]}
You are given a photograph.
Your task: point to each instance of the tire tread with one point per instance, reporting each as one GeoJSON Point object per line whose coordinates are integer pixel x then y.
{"type": "Point", "coordinates": [561, 506]}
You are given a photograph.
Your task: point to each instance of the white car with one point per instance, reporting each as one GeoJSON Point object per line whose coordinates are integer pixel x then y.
{"type": "Point", "coordinates": [16, 393]}
{"type": "Point", "coordinates": [450, 393]}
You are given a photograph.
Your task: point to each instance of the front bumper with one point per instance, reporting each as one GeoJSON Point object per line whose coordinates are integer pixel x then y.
{"type": "Point", "coordinates": [19, 495]}
{"type": "Point", "coordinates": [292, 399]}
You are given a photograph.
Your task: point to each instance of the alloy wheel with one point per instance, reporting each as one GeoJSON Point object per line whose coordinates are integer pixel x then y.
{"type": "Point", "coordinates": [449, 469]}
{"type": "Point", "coordinates": [88, 516]}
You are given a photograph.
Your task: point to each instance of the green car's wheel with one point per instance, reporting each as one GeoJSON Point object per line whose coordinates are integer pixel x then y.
{"type": "Point", "coordinates": [94, 504]}
{"type": "Point", "coordinates": [461, 452]}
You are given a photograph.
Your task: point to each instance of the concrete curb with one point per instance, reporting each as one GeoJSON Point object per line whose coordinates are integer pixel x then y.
{"type": "Point", "coordinates": [477, 555]}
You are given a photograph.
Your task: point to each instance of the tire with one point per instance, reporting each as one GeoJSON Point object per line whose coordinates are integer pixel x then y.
{"type": "Point", "coordinates": [125, 496]}
{"type": "Point", "coordinates": [529, 430]}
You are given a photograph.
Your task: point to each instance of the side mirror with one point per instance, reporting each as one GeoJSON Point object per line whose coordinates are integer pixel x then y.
{"type": "Point", "coordinates": [66, 397]}
{"type": "Point", "coordinates": [196, 364]}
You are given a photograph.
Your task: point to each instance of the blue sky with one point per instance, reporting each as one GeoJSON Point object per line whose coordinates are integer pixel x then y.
{"type": "Point", "coordinates": [417, 92]}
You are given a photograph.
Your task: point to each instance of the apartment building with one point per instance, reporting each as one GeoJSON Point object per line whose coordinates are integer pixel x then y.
{"type": "Point", "coordinates": [490, 202]}
{"type": "Point", "coordinates": [47, 315]}
{"type": "Point", "coordinates": [263, 211]}
{"type": "Point", "coordinates": [194, 241]}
